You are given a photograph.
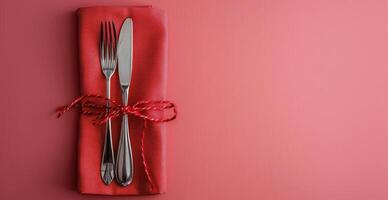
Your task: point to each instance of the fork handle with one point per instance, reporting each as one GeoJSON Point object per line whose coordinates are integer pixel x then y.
{"type": "Point", "coordinates": [107, 160]}
{"type": "Point", "coordinates": [124, 165]}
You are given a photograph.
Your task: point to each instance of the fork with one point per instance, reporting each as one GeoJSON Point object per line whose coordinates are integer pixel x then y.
{"type": "Point", "coordinates": [108, 61]}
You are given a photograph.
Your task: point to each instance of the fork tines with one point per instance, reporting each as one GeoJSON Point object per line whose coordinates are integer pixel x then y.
{"type": "Point", "coordinates": [108, 43]}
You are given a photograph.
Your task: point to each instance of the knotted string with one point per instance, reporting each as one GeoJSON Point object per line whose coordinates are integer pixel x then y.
{"type": "Point", "coordinates": [96, 107]}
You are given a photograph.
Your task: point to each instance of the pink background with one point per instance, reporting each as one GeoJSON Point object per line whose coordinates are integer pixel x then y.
{"type": "Point", "coordinates": [278, 100]}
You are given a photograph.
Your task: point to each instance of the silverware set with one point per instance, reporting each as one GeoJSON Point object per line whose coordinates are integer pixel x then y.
{"type": "Point", "coordinates": [111, 54]}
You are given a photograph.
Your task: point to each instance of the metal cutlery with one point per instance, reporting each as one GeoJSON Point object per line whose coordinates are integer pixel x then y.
{"type": "Point", "coordinates": [108, 61]}
{"type": "Point", "coordinates": [124, 160]}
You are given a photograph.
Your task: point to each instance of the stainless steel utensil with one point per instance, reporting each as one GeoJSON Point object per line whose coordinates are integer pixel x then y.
{"type": "Point", "coordinates": [124, 165]}
{"type": "Point", "coordinates": [108, 60]}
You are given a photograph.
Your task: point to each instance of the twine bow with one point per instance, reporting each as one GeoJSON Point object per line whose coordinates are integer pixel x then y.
{"type": "Point", "coordinates": [96, 106]}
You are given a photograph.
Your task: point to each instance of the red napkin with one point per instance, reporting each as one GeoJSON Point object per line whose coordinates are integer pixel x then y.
{"type": "Point", "coordinates": [148, 83]}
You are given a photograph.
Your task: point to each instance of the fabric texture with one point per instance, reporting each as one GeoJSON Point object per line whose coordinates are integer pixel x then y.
{"type": "Point", "coordinates": [148, 83]}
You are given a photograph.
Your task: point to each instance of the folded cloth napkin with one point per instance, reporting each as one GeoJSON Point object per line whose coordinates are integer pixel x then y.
{"type": "Point", "coordinates": [148, 83]}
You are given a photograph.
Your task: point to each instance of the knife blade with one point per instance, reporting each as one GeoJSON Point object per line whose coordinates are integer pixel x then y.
{"type": "Point", "coordinates": [124, 161]}
{"type": "Point", "coordinates": [124, 52]}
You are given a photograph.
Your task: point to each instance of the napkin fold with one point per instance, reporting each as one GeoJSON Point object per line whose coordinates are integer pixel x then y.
{"type": "Point", "coordinates": [148, 83]}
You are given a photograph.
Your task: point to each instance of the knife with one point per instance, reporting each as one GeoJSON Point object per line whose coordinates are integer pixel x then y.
{"type": "Point", "coordinates": [124, 161]}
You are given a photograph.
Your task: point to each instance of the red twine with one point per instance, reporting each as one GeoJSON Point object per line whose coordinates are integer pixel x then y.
{"type": "Point", "coordinates": [96, 105]}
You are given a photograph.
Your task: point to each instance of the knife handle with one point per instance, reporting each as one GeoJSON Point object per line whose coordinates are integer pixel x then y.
{"type": "Point", "coordinates": [124, 161]}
